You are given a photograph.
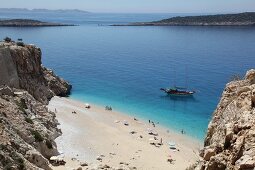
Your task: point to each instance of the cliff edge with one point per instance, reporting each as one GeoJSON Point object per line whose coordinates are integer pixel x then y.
{"type": "Point", "coordinates": [27, 128]}
{"type": "Point", "coordinates": [21, 67]}
{"type": "Point", "coordinates": [230, 139]}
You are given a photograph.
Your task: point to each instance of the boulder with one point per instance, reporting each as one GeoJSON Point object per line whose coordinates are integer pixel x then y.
{"type": "Point", "coordinates": [229, 134]}
{"type": "Point", "coordinates": [253, 98]}
{"type": "Point", "coordinates": [246, 162]}
{"type": "Point", "coordinates": [5, 90]}
{"type": "Point", "coordinates": [216, 163]}
{"type": "Point", "coordinates": [208, 153]}
{"type": "Point", "coordinates": [250, 76]}
{"type": "Point", "coordinates": [37, 159]}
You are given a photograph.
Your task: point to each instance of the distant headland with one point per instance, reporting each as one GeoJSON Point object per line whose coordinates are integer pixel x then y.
{"type": "Point", "coordinates": [240, 19]}
{"type": "Point", "coordinates": [25, 10]}
{"type": "Point", "coordinates": [29, 23]}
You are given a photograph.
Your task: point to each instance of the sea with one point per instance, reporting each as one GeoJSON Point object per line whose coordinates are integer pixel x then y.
{"type": "Point", "coordinates": [125, 67]}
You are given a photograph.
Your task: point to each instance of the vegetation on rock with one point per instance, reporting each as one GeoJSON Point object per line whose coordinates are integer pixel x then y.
{"type": "Point", "coordinates": [241, 19]}
{"type": "Point", "coordinates": [28, 120]}
{"type": "Point", "coordinates": [38, 137]}
{"type": "Point", "coordinates": [24, 90]}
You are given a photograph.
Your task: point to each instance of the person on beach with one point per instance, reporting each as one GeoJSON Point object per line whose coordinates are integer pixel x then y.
{"type": "Point", "coordinates": [161, 141]}
{"type": "Point", "coordinates": [55, 110]}
{"type": "Point", "coordinates": [149, 121]}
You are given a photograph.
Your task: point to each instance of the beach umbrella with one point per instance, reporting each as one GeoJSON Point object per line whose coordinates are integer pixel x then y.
{"type": "Point", "coordinates": [87, 105]}
{"type": "Point", "coordinates": [151, 139]}
{"type": "Point", "coordinates": [53, 158]}
{"type": "Point", "coordinates": [171, 145]}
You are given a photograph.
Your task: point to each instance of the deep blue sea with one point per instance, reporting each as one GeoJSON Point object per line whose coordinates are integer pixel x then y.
{"type": "Point", "coordinates": [126, 66]}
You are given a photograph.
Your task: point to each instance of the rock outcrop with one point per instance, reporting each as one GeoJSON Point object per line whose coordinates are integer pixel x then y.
{"type": "Point", "coordinates": [27, 128]}
{"type": "Point", "coordinates": [230, 139]}
{"type": "Point", "coordinates": [21, 67]}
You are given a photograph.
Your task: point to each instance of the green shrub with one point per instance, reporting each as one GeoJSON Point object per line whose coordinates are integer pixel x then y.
{"type": "Point", "coordinates": [49, 144]}
{"type": "Point", "coordinates": [22, 105]}
{"type": "Point", "coordinates": [7, 39]}
{"type": "Point", "coordinates": [28, 120]}
{"type": "Point", "coordinates": [21, 165]}
{"type": "Point", "coordinates": [20, 44]}
{"type": "Point", "coordinates": [8, 167]}
{"type": "Point", "coordinates": [38, 137]}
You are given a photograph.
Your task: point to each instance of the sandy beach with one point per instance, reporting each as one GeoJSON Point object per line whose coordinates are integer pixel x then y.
{"type": "Point", "coordinates": [99, 138]}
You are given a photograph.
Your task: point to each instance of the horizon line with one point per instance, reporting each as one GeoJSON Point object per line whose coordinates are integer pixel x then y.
{"type": "Point", "coordinates": [134, 12]}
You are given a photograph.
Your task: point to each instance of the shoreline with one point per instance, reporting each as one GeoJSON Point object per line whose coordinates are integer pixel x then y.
{"type": "Point", "coordinates": [89, 133]}
{"type": "Point", "coordinates": [176, 130]}
{"type": "Point", "coordinates": [30, 23]}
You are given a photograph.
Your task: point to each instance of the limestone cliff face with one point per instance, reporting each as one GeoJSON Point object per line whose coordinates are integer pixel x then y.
{"type": "Point", "coordinates": [230, 139]}
{"type": "Point", "coordinates": [21, 67]}
{"type": "Point", "coordinates": [27, 128]}
{"type": "Point", "coordinates": [27, 131]}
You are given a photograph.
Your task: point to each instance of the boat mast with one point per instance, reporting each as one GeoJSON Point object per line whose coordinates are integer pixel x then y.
{"type": "Point", "coordinates": [186, 83]}
{"type": "Point", "coordinates": [174, 77]}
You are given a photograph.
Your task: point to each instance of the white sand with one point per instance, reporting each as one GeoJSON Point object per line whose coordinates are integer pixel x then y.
{"type": "Point", "coordinates": [93, 132]}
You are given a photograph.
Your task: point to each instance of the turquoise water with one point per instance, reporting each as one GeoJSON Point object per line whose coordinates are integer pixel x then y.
{"type": "Point", "coordinates": [126, 66]}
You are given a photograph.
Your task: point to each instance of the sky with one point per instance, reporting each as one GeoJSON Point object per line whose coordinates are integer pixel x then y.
{"type": "Point", "coordinates": [137, 6]}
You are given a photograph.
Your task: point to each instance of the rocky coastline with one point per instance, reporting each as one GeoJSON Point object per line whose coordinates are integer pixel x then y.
{"type": "Point", "coordinates": [29, 23]}
{"type": "Point", "coordinates": [27, 128]}
{"type": "Point", "coordinates": [230, 138]}
{"type": "Point", "coordinates": [241, 19]}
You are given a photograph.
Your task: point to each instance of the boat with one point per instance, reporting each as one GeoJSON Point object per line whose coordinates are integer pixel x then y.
{"type": "Point", "coordinates": [178, 91]}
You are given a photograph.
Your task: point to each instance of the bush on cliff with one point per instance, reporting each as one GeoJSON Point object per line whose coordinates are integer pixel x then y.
{"type": "Point", "coordinates": [19, 43]}
{"type": "Point", "coordinates": [38, 137]}
{"type": "Point", "coordinates": [28, 120]}
{"type": "Point", "coordinates": [22, 105]}
{"type": "Point", "coordinates": [7, 39]}
{"type": "Point", "coordinates": [49, 144]}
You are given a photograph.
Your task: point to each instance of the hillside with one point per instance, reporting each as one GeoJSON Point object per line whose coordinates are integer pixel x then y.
{"type": "Point", "coordinates": [241, 19]}
{"type": "Point", "coordinates": [28, 23]}
{"type": "Point", "coordinates": [25, 10]}
{"type": "Point", "coordinates": [27, 128]}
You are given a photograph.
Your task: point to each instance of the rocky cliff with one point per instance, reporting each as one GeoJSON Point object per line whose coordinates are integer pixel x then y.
{"type": "Point", "coordinates": [27, 128]}
{"type": "Point", "coordinates": [230, 139]}
{"type": "Point", "coordinates": [21, 67]}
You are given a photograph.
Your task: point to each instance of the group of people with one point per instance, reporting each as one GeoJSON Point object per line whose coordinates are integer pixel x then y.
{"type": "Point", "coordinates": [153, 124]}
{"type": "Point", "coordinates": [108, 108]}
